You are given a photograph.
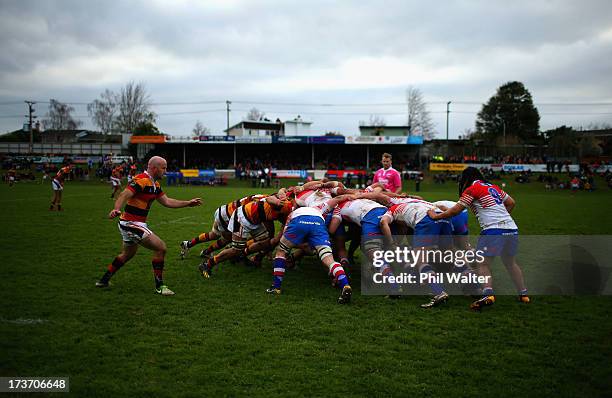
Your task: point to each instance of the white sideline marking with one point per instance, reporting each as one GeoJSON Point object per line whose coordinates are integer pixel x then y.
{"type": "Point", "coordinates": [23, 321]}
{"type": "Point", "coordinates": [178, 221]}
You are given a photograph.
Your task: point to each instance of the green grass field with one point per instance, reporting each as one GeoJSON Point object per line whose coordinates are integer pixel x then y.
{"type": "Point", "coordinates": [226, 337]}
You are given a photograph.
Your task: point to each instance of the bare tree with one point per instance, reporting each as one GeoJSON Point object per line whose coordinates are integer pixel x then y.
{"type": "Point", "coordinates": [134, 107]}
{"type": "Point", "coordinates": [255, 114]}
{"type": "Point", "coordinates": [103, 111]}
{"type": "Point", "coordinates": [59, 117]}
{"type": "Point", "coordinates": [419, 120]}
{"type": "Point", "coordinates": [199, 129]}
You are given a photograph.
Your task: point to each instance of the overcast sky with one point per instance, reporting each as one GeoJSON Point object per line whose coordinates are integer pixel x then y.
{"type": "Point", "coordinates": [270, 53]}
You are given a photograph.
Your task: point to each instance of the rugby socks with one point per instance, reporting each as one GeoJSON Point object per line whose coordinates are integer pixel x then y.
{"type": "Point", "coordinates": [487, 291]}
{"type": "Point", "coordinates": [386, 270]}
{"type": "Point", "coordinates": [212, 261]}
{"type": "Point", "coordinates": [216, 245]}
{"type": "Point", "coordinates": [279, 272]}
{"type": "Point", "coordinates": [337, 272]}
{"type": "Point", "coordinates": [112, 268]}
{"type": "Point", "coordinates": [435, 287]}
{"type": "Point", "coordinates": [158, 270]}
{"type": "Point", "coordinates": [523, 292]}
{"type": "Point", "coordinates": [205, 237]}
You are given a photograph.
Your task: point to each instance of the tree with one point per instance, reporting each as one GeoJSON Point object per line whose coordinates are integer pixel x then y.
{"type": "Point", "coordinates": [103, 111]}
{"type": "Point", "coordinates": [59, 117]}
{"type": "Point", "coordinates": [146, 128]}
{"type": "Point", "coordinates": [562, 141]}
{"type": "Point", "coordinates": [199, 129]}
{"type": "Point", "coordinates": [255, 114]}
{"type": "Point", "coordinates": [134, 107]}
{"type": "Point", "coordinates": [378, 122]}
{"type": "Point", "coordinates": [509, 112]}
{"type": "Point", "coordinates": [419, 120]}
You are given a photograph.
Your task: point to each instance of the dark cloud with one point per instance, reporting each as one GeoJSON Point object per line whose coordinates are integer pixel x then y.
{"type": "Point", "coordinates": [278, 50]}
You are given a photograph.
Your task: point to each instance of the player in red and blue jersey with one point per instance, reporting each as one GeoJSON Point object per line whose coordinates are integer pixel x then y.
{"type": "Point", "coordinates": [307, 225]}
{"type": "Point", "coordinates": [499, 235]}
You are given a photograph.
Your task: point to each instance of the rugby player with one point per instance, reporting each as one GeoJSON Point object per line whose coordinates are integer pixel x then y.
{"type": "Point", "coordinates": [249, 222]}
{"type": "Point", "coordinates": [11, 174]}
{"type": "Point", "coordinates": [307, 224]}
{"type": "Point", "coordinates": [115, 180]}
{"type": "Point", "coordinates": [499, 233]}
{"type": "Point", "coordinates": [413, 213]}
{"type": "Point", "coordinates": [137, 198]}
{"type": "Point", "coordinates": [58, 187]}
{"type": "Point", "coordinates": [219, 231]}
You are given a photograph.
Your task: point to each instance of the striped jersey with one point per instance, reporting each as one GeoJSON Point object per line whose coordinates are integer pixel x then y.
{"type": "Point", "coordinates": [260, 211]}
{"type": "Point", "coordinates": [61, 174]}
{"type": "Point", "coordinates": [312, 198]}
{"type": "Point", "coordinates": [408, 210]}
{"type": "Point", "coordinates": [146, 190]}
{"type": "Point", "coordinates": [487, 202]}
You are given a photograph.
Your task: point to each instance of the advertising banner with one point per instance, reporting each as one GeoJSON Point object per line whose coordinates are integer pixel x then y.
{"type": "Point", "coordinates": [148, 139]}
{"type": "Point", "coordinates": [207, 174]}
{"type": "Point", "coordinates": [253, 140]}
{"type": "Point", "coordinates": [290, 140]}
{"type": "Point", "coordinates": [326, 140]}
{"type": "Point", "coordinates": [447, 166]}
{"type": "Point", "coordinates": [190, 172]}
{"type": "Point", "coordinates": [220, 139]}
{"type": "Point", "coordinates": [290, 173]}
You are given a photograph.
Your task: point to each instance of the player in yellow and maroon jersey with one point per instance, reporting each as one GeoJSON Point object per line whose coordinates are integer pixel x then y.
{"type": "Point", "coordinates": [11, 175]}
{"type": "Point", "coordinates": [137, 198]}
{"type": "Point", "coordinates": [58, 187]}
{"type": "Point", "coordinates": [131, 173]}
{"type": "Point", "coordinates": [248, 222]}
{"type": "Point", "coordinates": [115, 180]}
{"type": "Point", "coordinates": [220, 230]}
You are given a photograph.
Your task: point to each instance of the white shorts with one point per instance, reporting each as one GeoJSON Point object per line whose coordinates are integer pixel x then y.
{"type": "Point", "coordinates": [220, 224]}
{"type": "Point", "coordinates": [56, 185]}
{"type": "Point", "coordinates": [133, 232]}
{"type": "Point", "coordinates": [115, 181]}
{"type": "Point", "coordinates": [11, 178]}
{"type": "Point", "coordinates": [239, 225]}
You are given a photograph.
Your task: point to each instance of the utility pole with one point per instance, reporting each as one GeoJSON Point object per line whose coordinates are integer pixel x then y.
{"type": "Point", "coordinates": [227, 104]}
{"type": "Point", "coordinates": [447, 114]}
{"type": "Point", "coordinates": [30, 116]}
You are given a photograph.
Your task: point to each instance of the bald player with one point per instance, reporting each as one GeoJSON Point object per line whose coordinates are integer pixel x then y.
{"type": "Point", "coordinates": [137, 198]}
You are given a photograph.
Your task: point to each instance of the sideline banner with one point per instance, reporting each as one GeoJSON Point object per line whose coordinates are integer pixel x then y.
{"type": "Point", "coordinates": [290, 173]}
{"type": "Point", "coordinates": [448, 166]}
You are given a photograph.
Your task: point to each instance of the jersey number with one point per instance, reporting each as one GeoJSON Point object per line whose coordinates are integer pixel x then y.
{"type": "Point", "coordinates": [495, 196]}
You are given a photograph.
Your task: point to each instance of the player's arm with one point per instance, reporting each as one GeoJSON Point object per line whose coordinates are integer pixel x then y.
{"type": "Point", "coordinates": [334, 224]}
{"type": "Point", "coordinates": [509, 203]}
{"type": "Point", "coordinates": [339, 199]}
{"type": "Point", "coordinates": [385, 228]}
{"type": "Point", "coordinates": [448, 213]}
{"type": "Point", "coordinates": [165, 201]}
{"type": "Point", "coordinates": [379, 197]}
{"type": "Point", "coordinates": [123, 197]}
{"type": "Point", "coordinates": [274, 200]}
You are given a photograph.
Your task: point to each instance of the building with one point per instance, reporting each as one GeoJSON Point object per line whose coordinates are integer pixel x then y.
{"type": "Point", "coordinates": [266, 128]}
{"type": "Point", "coordinates": [77, 137]}
{"type": "Point", "coordinates": [389, 131]}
